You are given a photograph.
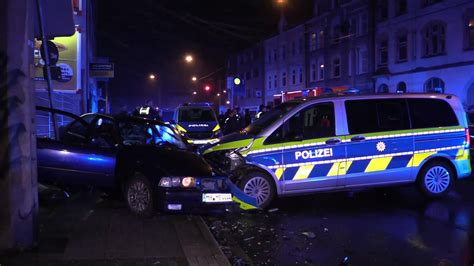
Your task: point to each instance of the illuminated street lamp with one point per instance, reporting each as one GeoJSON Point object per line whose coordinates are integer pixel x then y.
{"type": "Point", "coordinates": [152, 76]}
{"type": "Point", "coordinates": [189, 59]}
{"type": "Point", "coordinates": [194, 78]}
{"type": "Point", "coordinates": [224, 91]}
{"type": "Point", "coordinates": [207, 88]}
{"type": "Point", "coordinates": [227, 102]}
{"type": "Point", "coordinates": [194, 93]}
{"type": "Point", "coordinates": [218, 94]}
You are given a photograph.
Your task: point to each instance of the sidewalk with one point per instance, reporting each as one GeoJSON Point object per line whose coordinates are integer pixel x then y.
{"type": "Point", "coordinates": [86, 230]}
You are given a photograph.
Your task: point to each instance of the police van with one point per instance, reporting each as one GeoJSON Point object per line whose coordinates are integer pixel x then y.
{"type": "Point", "coordinates": [346, 142]}
{"type": "Point", "coordinates": [198, 122]}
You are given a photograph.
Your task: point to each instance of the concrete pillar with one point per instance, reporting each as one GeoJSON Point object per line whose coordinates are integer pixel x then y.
{"type": "Point", "coordinates": [18, 177]}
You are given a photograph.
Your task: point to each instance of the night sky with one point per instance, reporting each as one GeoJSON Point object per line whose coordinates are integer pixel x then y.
{"type": "Point", "coordinates": [152, 36]}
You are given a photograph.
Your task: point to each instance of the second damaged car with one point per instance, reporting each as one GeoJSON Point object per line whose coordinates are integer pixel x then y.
{"type": "Point", "coordinates": [145, 160]}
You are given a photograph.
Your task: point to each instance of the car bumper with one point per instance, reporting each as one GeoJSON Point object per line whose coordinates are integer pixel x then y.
{"type": "Point", "coordinates": [186, 201]}
{"type": "Point", "coordinates": [199, 142]}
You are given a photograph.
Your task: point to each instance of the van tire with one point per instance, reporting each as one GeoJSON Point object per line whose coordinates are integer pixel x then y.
{"type": "Point", "coordinates": [435, 179]}
{"type": "Point", "coordinates": [259, 185]}
{"type": "Point", "coordinates": [138, 194]}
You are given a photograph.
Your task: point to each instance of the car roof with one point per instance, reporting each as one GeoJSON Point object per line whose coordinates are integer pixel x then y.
{"type": "Point", "coordinates": [375, 96]}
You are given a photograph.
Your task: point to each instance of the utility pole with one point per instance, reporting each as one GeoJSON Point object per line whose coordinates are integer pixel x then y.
{"type": "Point", "coordinates": [18, 176]}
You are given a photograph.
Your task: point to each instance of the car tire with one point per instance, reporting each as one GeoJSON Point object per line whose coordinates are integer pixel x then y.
{"type": "Point", "coordinates": [259, 185]}
{"type": "Point", "coordinates": [435, 179]}
{"type": "Point", "coordinates": [138, 194]}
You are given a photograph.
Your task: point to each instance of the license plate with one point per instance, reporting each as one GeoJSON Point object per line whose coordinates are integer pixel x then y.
{"type": "Point", "coordinates": [216, 197]}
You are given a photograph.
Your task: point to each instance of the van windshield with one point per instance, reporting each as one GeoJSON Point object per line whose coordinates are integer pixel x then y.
{"type": "Point", "coordinates": [268, 118]}
{"type": "Point", "coordinates": [196, 115]}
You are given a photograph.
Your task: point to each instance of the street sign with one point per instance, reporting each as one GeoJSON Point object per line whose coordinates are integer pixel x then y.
{"type": "Point", "coordinates": [101, 70]}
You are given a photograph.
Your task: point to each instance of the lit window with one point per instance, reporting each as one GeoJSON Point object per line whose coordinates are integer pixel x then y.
{"type": "Point", "coordinates": [321, 71]}
{"type": "Point", "coordinates": [471, 33]}
{"type": "Point", "coordinates": [312, 46]}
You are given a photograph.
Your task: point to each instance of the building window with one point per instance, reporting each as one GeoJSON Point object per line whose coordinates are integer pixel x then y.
{"type": "Point", "coordinates": [401, 7]}
{"type": "Point", "coordinates": [321, 71]}
{"type": "Point", "coordinates": [402, 87]}
{"type": "Point", "coordinates": [293, 49]}
{"type": "Point", "coordinates": [434, 39]}
{"type": "Point", "coordinates": [313, 72]}
{"type": "Point", "coordinates": [269, 82]}
{"type": "Point", "coordinates": [312, 45]}
{"type": "Point", "coordinates": [382, 10]}
{"type": "Point", "coordinates": [363, 62]}
{"type": "Point", "coordinates": [470, 32]}
{"type": "Point", "coordinates": [275, 81]}
{"type": "Point", "coordinates": [402, 47]}
{"type": "Point", "coordinates": [435, 85]}
{"type": "Point", "coordinates": [275, 54]}
{"type": "Point", "coordinates": [269, 57]}
{"type": "Point", "coordinates": [283, 52]}
{"type": "Point", "coordinates": [321, 39]}
{"type": "Point", "coordinates": [301, 75]}
{"type": "Point", "coordinates": [293, 77]}
{"type": "Point", "coordinates": [283, 79]}
{"type": "Point", "coordinates": [383, 88]}
{"type": "Point", "coordinates": [336, 67]}
{"type": "Point", "coordinates": [336, 3]}
{"type": "Point", "coordinates": [300, 46]}
{"type": "Point", "coordinates": [364, 24]}
{"type": "Point", "coordinates": [383, 52]}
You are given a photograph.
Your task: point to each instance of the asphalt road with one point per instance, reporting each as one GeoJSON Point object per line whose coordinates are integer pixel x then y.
{"type": "Point", "coordinates": [395, 226]}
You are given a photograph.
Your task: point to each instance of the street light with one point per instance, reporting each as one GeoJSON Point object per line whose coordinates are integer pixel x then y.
{"type": "Point", "coordinates": [194, 93]}
{"type": "Point", "coordinates": [224, 91]}
{"type": "Point", "coordinates": [207, 88]}
{"type": "Point", "coordinates": [189, 59]}
{"type": "Point", "coordinates": [227, 102]}
{"type": "Point", "coordinates": [194, 78]}
{"type": "Point", "coordinates": [152, 76]}
{"type": "Point", "coordinates": [218, 94]}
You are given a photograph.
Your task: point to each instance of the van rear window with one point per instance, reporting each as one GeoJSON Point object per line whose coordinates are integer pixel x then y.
{"type": "Point", "coordinates": [428, 113]}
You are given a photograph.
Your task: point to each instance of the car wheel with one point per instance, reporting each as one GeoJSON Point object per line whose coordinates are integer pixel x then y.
{"type": "Point", "coordinates": [138, 194]}
{"type": "Point", "coordinates": [435, 179]}
{"type": "Point", "coordinates": [260, 186]}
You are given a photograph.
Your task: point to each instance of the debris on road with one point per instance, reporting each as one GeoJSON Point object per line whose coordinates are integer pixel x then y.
{"type": "Point", "coordinates": [309, 234]}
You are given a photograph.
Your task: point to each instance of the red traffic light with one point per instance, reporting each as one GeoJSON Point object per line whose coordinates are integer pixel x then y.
{"type": "Point", "coordinates": [207, 88]}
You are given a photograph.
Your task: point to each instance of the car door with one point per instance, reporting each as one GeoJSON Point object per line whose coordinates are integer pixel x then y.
{"type": "Point", "coordinates": [380, 142]}
{"type": "Point", "coordinates": [311, 151]}
{"type": "Point", "coordinates": [73, 158]}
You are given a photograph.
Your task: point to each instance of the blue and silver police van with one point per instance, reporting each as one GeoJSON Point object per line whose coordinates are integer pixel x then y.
{"type": "Point", "coordinates": [198, 122]}
{"type": "Point", "coordinates": [346, 142]}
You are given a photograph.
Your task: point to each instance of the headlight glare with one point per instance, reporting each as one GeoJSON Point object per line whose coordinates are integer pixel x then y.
{"type": "Point", "coordinates": [165, 182]}
{"type": "Point", "coordinates": [188, 182]}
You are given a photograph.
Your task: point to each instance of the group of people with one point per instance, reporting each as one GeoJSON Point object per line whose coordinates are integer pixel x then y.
{"type": "Point", "coordinates": [233, 120]}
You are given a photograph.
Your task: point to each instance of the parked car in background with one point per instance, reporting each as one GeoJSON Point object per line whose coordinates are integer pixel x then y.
{"type": "Point", "coordinates": [198, 122]}
{"type": "Point", "coordinates": [141, 158]}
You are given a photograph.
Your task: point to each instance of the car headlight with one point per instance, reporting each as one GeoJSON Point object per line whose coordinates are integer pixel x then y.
{"type": "Point", "coordinates": [176, 181]}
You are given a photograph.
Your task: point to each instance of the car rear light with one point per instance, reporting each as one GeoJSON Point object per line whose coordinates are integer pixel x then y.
{"type": "Point", "coordinates": [468, 138]}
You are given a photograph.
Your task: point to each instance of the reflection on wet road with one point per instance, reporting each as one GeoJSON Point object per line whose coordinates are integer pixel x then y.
{"type": "Point", "coordinates": [395, 226]}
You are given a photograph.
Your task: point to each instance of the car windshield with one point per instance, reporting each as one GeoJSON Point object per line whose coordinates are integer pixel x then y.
{"type": "Point", "coordinates": [268, 118]}
{"type": "Point", "coordinates": [149, 133]}
{"type": "Point", "coordinates": [190, 114]}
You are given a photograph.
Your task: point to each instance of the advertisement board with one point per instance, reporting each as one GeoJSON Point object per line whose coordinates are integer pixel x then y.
{"type": "Point", "coordinates": [69, 64]}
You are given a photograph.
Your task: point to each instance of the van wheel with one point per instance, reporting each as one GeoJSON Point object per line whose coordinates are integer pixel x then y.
{"type": "Point", "coordinates": [260, 186]}
{"type": "Point", "coordinates": [435, 179]}
{"type": "Point", "coordinates": [138, 194]}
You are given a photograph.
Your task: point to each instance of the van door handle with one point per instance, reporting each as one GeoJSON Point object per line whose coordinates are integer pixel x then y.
{"type": "Point", "coordinates": [357, 138]}
{"type": "Point", "coordinates": [333, 141]}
